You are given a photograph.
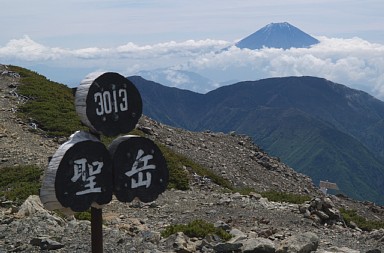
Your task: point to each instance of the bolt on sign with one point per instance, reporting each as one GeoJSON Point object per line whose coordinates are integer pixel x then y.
{"type": "Point", "coordinates": [83, 173]}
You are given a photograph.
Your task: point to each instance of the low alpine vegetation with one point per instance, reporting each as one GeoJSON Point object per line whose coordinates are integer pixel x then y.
{"type": "Point", "coordinates": [285, 197]}
{"type": "Point", "coordinates": [18, 183]}
{"type": "Point", "coordinates": [196, 228]}
{"type": "Point", "coordinates": [350, 216]}
{"type": "Point", "coordinates": [49, 104]}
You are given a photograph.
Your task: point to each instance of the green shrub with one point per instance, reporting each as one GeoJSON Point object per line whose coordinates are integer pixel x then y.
{"type": "Point", "coordinates": [18, 183]}
{"type": "Point", "coordinates": [179, 178]}
{"type": "Point", "coordinates": [285, 197]}
{"type": "Point", "coordinates": [197, 228]}
{"type": "Point", "coordinates": [86, 215]}
{"type": "Point", "coordinates": [245, 190]}
{"type": "Point", "coordinates": [367, 225]}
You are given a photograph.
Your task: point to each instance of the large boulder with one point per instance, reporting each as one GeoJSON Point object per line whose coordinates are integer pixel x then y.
{"type": "Point", "coordinates": [321, 210]}
{"type": "Point", "coordinates": [31, 206]}
{"type": "Point", "coordinates": [303, 243]}
{"type": "Point", "coordinates": [338, 250]}
{"type": "Point", "coordinates": [259, 245]}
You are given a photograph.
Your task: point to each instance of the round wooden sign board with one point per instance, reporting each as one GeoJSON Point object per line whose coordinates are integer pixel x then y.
{"type": "Point", "coordinates": [78, 176]}
{"type": "Point", "coordinates": [140, 170]}
{"type": "Point", "coordinates": [109, 104]}
{"type": "Point", "coordinates": [84, 176]}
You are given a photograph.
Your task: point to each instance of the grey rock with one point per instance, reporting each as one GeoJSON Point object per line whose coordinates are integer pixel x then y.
{"type": "Point", "coordinates": [180, 243]}
{"type": "Point", "coordinates": [303, 208]}
{"type": "Point", "coordinates": [31, 206]}
{"type": "Point", "coordinates": [222, 225]}
{"type": "Point", "coordinates": [46, 244]}
{"type": "Point", "coordinates": [302, 243]}
{"type": "Point", "coordinates": [327, 203]}
{"type": "Point", "coordinates": [374, 251]}
{"type": "Point", "coordinates": [377, 234]}
{"type": "Point", "coordinates": [333, 213]}
{"type": "Point", "coordinates": [255, 195]}
{"type": "Point", "coordinates": [227, 247]}
{"type": "Point", "coordinates": [322, 215]}
{"type": "Point", "coordinates": [258, 245]}
{"type": "Point", "coordinates": [237, 235]}
{"type": "Point", "coordinates": [338, 250]}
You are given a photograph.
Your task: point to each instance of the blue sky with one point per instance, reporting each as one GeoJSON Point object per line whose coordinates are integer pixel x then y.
{"type": "Point", "coordinates": [84, 23]}
{"type": "Point", "coordinates": [67, 39]}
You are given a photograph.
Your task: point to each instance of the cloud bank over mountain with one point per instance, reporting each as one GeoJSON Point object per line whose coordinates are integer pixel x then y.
{"type": "Point", "coordinates": [353, 62]}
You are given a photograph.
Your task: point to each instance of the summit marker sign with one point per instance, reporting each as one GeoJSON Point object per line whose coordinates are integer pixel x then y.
{"type": "Point", "coordinates": [84, 174]}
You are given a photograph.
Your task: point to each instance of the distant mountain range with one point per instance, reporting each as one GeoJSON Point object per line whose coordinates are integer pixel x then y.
{"type": "Point", "coordinates": [320, 128]}
{"type": "Point", "coordinates": [274, 35]}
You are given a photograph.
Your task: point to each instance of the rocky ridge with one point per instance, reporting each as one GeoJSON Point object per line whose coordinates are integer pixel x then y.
{"type": "Point", "coordinates": [257, 225]}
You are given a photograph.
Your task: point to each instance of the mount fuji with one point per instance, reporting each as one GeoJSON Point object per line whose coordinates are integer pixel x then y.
{"type": "Point", "coordinates": [278, 35]}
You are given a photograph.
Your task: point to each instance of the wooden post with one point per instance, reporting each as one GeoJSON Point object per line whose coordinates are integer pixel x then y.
{"type": "Point", "coordinates": [97, 230]}
{"type": "Point", "coordinates": [96, 221]}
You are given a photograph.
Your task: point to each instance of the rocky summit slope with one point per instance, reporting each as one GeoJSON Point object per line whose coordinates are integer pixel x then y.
{"type": "Point", "coordinates": [257, 224]}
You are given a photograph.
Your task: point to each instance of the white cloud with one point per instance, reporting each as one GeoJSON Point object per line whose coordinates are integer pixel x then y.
{"type": "Point", "coordinates": [91, 53]}
{"type": "Point", "coordinates": [353, 62]}
{"type": "Point", "coordinates": [172, 48]}
{"type": "Point", "coordinates": [176, 77]}
{"type": "Point", "coordinates": [29, 50]}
